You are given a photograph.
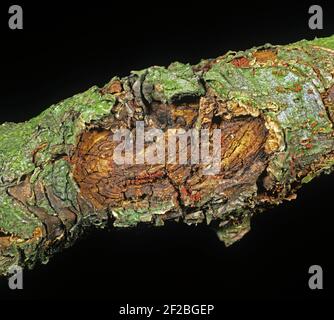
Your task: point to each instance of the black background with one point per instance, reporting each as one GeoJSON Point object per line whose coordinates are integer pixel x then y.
{"type": "Point", "coordinates": [64, 49]}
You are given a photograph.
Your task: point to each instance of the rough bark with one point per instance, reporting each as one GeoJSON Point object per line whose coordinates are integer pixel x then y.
{"type": "Point", "coordinates": [273, 104]}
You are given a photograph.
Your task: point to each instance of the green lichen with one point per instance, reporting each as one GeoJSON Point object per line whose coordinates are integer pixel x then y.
{"type": "Point", "coordinates": [289, 92]}
{"type": "Point", "coordinates": [14, 219]}
{"type": "Point", "coordinates": [32, 149]}
{"type": "Point", "coordinates": [127, 217]}
{"type": "Point", "coordinates": [54, 131]}
{"type": "Point", "coordinates": [322, 42]}
{"type": "Point", "coordinates": [177, 81]}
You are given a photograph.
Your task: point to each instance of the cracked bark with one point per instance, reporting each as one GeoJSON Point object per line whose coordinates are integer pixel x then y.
{"type": "Point", "coordinates": [274, 106]}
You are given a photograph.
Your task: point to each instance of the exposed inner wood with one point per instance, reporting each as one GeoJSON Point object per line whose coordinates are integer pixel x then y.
{"type": "Point", "coordinates": [104, 184]}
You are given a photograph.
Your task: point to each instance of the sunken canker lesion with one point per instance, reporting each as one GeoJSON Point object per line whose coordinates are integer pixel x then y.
{"type": "Point", "coordinates": [105, 184]}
